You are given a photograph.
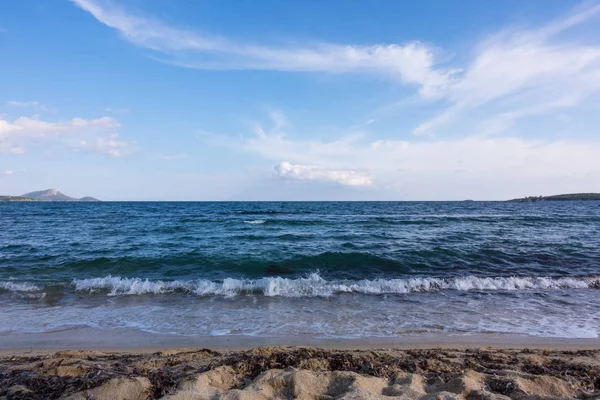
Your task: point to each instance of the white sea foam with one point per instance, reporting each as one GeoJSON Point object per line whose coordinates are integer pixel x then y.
{"type": "Point", "coordinates": [117, 285]}
{"type": "Point", "coordinates": [19, 286]}
{"type": "Point", "coordinates": [314, 285]}
{"type": "Point", "coordinates": [255, 221]}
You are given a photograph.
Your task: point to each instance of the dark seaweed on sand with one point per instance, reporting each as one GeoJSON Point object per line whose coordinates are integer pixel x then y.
{"type": "Point", "coordinates": [36, 377]}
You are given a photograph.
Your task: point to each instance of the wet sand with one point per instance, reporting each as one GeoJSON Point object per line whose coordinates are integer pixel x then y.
{"type": "Point", "coordinates": [136, 340]}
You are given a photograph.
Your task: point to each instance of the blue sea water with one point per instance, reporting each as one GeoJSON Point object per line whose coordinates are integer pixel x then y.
{"type": "Point", "coordinates": [303, 269]}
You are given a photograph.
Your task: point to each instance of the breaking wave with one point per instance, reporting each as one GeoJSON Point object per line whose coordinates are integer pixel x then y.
{"type": "Point", "coordinates": [18, 286]}
{"type": "Point", "coordinates": [314, 285]}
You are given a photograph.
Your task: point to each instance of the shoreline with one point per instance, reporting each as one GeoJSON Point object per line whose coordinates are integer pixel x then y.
{"type": "Point", "coordinates": [132, 340]}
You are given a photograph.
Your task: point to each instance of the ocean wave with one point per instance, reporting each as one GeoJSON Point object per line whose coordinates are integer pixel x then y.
{"type": "Point", "coordinates": [18, 286]}
{"type": "Point", "coordinates": [117, 285]}
{"type": "Point", "coordinates": [315, 286]}
{"type": "Point", "coordinates": [255, 221]}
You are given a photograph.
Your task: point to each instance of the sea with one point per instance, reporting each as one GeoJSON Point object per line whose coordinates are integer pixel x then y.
{"type": "Point", "coordinates": [331, 270]}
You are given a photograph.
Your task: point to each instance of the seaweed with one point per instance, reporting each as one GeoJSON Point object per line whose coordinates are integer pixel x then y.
{"type": "Point", "coordinates": [40, 377]}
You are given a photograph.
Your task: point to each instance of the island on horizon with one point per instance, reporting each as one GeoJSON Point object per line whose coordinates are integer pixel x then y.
{"type": "Point", "coordinates": [46, 195]}
{"type": "Point", "coordinates": [560, 197]}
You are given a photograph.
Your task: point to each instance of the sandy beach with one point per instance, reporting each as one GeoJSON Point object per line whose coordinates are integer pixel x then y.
{"type": "Point", "coordinates": [296, 372]}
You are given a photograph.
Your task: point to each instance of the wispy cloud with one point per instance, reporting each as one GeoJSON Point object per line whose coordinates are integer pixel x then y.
{"type": "Point", "coordinates": [17, 135]}
{"type": "Point", "coordinates": [526, 72]}
{"type": "Point", "coordinates": [513, 70]}
{"type": "Point", "coordinates": [411, 63]}
{"type": "Point", "coordinates": [110, 145]}
{"type": "Point", "coordinates": [8, 172]}
{"type": "Point", "coordinates": [15, 103]}
{"type": "Point", "coordinates": [40, 128]}
{"type": "Point", "coordinates": [30, 104]}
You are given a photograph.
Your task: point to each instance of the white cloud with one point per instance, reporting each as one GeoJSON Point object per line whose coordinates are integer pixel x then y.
{"type": "Point", "coordinates": [478, 167]}
{"type": "Point", "coordinates": [108, 145]}
{"type": "Point", "coordinates": [412, 63]}
{"type": "Point", "coordinates": [8, 172]}
{"type": "Point", "coordinates": [35, 126]}
{"type": "Point", "coordinates": [16, 135]}
{"type": "Point", "coordinates": [22, 103]}
{"type": "Point", "coordinates": [314, 173]}
{"type": "Point", "coordinates": [30, 104]}
{"type": "Point", "coordinates": [539, 70]}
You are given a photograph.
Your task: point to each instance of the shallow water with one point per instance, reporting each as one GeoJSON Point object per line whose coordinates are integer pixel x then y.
{"type": "Point", "coordinates": [330, 270]}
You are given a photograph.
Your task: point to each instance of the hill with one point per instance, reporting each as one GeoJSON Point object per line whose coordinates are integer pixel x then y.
{"type": "Point", "coordinates": [561, 197]}
{"type": "Point", "coordinates": [54, 195]}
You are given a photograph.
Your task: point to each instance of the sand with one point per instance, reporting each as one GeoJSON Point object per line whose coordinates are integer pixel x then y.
{"type": "Point", "coordinates": [303, 373]}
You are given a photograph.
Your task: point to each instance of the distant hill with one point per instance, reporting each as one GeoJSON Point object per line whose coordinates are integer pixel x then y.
{"type": "Point", "coordinates": [561, 197]}
{"type": "Point", "coordinates": [54, 195]}
{"type": "Point", "coordinates": [15, 198]}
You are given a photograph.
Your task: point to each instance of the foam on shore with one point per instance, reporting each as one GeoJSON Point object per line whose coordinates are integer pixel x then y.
{"type": "Point", "coordinates": [314, 285]}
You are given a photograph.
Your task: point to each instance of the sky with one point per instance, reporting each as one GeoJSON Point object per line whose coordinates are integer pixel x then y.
{"type": "Point", "coordinates": [300, 100]}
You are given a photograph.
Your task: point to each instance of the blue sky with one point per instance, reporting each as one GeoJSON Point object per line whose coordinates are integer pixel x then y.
{"type": "Point", "coordinates": [299, 100]}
